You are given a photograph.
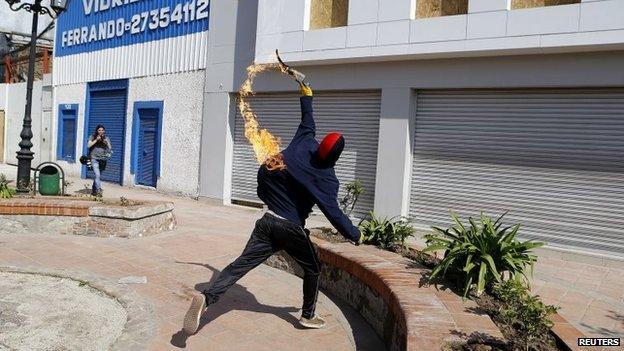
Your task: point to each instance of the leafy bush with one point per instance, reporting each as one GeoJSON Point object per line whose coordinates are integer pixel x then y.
{"type": "Point", "coordinates": [384, 232]}
{"type": "Point", "coordinates": [482, 252]}
{"type": "Point", "coordinates": [5, 191]}
{"type": "Point", "coordinates": [353, 190]}
{"type": "Point", "coordinates": [526, 314]}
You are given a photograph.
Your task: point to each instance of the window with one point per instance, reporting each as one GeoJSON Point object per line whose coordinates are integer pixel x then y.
{"type": "Point", "coordinates": [66, 143]}
{"type": "Point", "coordinates": [437, 8]}
{"type": "Point", "coordinates": [525, 4]}
{"type": "Point", "coordinates": [328, 13]}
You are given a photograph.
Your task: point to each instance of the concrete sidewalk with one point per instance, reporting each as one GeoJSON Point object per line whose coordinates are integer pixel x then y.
{"type": "Point", "coordinates": [262, 308]}
{"type": "Point", "coordinates": [588, 290]}
{"type": "Point", "coordinates": [259, 313]}
{"type": "Point", "coordinates": [591, 296]}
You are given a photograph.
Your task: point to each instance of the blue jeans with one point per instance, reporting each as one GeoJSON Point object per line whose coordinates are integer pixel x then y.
{"type": "Point", "coordinates": [97, 182]}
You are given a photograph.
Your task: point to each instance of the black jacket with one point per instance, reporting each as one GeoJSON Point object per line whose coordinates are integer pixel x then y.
{"type": "Point", "coordinates": [292, 193]}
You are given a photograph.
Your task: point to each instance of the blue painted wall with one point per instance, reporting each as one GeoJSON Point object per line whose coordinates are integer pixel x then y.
{"type": "Point", "coordinates": [92, 25]}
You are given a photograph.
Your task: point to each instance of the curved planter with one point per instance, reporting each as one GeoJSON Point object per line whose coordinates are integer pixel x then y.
{"type": "Point", "coordinates": [388, 291]}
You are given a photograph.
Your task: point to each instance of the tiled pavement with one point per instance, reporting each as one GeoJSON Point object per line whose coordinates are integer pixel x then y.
{"type": "Point", "coordinates": [591, 296]}
{"type": "Point", "coordinates": [260, 311]}
{"type": "Point", "coordinates": [588, 290]}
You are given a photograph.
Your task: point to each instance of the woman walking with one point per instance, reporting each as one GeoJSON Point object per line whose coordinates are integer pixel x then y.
{"type": "Point", "coordinates": [100, 150]}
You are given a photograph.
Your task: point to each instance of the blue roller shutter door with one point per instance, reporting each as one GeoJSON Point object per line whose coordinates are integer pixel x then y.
{"type": "Point", "coordinates": [108, 107]}
{"type": "Point", "coordinates": [147, 147]}
{"type": "Point", "coordinates": [69, 138]}
{"type": "Point", "coordinates": [66, 147]}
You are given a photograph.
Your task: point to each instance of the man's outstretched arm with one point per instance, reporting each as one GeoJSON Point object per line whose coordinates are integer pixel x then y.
{"type": "Point", "coordinates": [340, 221]}
{"type": "Point", "coordinates": [307, 125]}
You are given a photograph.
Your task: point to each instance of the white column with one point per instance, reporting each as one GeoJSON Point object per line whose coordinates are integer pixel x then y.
{"type": "Point", "coordinates": [394, 152]}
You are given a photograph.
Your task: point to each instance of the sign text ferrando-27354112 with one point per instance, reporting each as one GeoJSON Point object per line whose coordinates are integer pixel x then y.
{"type": "Point", "coordinates": [91, 25]}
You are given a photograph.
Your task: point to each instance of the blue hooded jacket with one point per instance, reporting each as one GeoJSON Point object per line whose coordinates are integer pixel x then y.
{"type": "Point", "coordinates": [292, 192]}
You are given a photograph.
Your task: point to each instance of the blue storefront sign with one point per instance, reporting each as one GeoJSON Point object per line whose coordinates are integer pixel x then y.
{"type": "Point", "coordinates": [91, 25]}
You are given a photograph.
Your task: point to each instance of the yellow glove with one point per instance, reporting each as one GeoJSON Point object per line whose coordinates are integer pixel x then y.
{"type": "Point", "coordinates": [306, 90]}
{"type": "Point", "coordinates": [360, 240]}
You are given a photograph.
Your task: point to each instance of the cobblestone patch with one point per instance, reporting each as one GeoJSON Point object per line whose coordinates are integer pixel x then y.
{"type": "Point", "coordinates": [75, 317]}
{"type": "Point", "coordinates": [84, 313]}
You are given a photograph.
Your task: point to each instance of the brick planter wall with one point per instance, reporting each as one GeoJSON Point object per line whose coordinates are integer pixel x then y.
{"type": "Point", "coordinates": [389, 292]}
{"type": "Point", "coordinates": [358, 295]}
{"type": "Point", "coordinates": [83, 217]}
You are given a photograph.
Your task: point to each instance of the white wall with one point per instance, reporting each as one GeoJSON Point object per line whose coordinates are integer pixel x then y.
{"type": "Point", "coordinates": [3, 97]}
{"type": "Point", "coordinates": [387, 30]}
{"type": "Point", "coordinates": [230, 51]}
{"type": "Point", "coordinates": [14, 115]}
{"type": "Point", "coordinates": [182, 118]}
{"type": "Point", "coordinates": [182, 95]}
{"type": "Point", "coordinates": [3, 92]}
{"type": "Point", "coordinates": [46, 119]}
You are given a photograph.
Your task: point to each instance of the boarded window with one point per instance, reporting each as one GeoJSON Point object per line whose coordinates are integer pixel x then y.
{"type": "Point", "coordinates": [328, 13]}
{"type": "Point", "coordinates": [525, 4]}
{"type": "Point", "coordinates": [437, 8]}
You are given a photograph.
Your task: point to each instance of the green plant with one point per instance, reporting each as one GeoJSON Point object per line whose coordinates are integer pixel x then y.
{"type": "Point", "coordinates": [525, 313]}
{"type": "Point", "coordinates": [384, 232]}
{"type": "Point", "coordinates": [353, 190]}
{"type": "Point", "coordinates": [5, 191]}
{"type": "Point", "coordinates": [482, 252]}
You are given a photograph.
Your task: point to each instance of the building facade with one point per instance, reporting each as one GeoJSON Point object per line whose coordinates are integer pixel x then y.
{"type": "Point", "coordinates": [12, 103]}
{"type": "Point", "coordinates": [136, 67]}
{"type": "Point", "coordinates": [485, 107]}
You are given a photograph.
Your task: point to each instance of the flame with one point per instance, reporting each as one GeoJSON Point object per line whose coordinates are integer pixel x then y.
{"type": "Point", "coordinates": [265, 145]}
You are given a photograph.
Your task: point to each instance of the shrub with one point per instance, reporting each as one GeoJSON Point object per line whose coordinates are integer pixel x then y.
{"type": "Point", "coordinates": [482, 252]}
{"type": "Point", "coordinates": [5, 191]}
{"type": "Point", "coordinates": [353, 190]}
{"type": "Point", "coordinates": [384, 232]}
{"type": "Point", "coordinates": [526, 314]}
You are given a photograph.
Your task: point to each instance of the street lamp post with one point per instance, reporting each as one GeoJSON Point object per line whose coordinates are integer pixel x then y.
{"type": "Point", "coordinates": [24, 155]}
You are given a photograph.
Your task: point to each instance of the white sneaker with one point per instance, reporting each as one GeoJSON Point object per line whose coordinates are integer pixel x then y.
{"type": "Point", "coordinates": [194, 313]}
{"type": "Point", "coordinates": [315, 322]}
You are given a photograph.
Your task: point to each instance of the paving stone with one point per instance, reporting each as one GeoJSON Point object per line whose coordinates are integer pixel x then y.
{"type": "Point", "coordinates": [211, 239]}
{"type": "Point", "coordinates": [213, 235]}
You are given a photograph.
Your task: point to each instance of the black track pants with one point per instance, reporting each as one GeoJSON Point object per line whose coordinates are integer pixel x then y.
{"type": "Point", "coordinates": [270, 235]}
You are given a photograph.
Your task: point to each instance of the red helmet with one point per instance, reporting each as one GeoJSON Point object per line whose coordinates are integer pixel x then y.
{"type": "Point", "coordinates": [331, 147]}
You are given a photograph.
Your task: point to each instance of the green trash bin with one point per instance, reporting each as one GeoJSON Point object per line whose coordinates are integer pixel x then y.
{"type": "Point", "coordinates": [49, 181]}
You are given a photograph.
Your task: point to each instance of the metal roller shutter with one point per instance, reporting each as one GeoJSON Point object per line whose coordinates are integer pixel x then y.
{"type": "Point", "coordinates": [69, 138]}
{"type": "Point", "coordinates": [355, 114]}
{"type": "Point", "coordinates": [107, 106]}
{"type": "Point", "coordinates": [147, 148]}
{"type": "Point", "coordinates": [554, 158]}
